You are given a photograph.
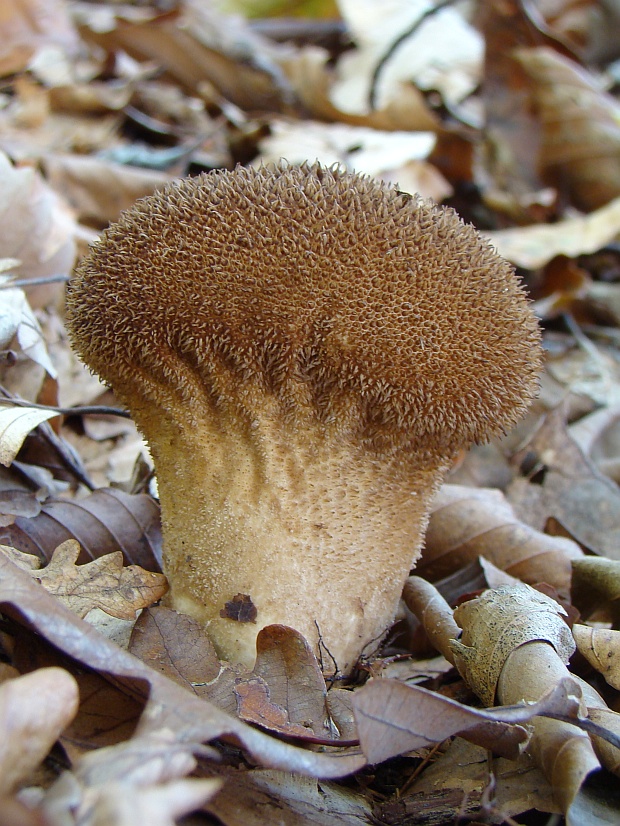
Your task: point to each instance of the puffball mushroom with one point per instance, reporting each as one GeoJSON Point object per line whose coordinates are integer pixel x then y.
{"type": "Point", "coordinates": [305, 350]}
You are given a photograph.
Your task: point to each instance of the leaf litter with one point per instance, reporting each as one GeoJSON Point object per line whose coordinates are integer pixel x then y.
{"type": "Point", "coordinates": [103, 104]}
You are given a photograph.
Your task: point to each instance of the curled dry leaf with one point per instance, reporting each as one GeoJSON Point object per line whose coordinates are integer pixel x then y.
{"type": "Point", "coordinates": [34, 709]}
{"type": "Point", "coordinates": [470, 522]}
{"type": "Point", "coordinates": [435, 614]}
{"type": "Point", "coordinates": [580, 128]}
{"type": "Point", "coordinates": [104, 583]}
{"type": "Point", "coordinates": [514, 648]}
{"type": "Point", "coordinates": [499, 621]}
{"type": "Point", "coordinates": [596, 587]}
{"type": "Point", "coordinates": [15, 424]}
{"type": "Point", "coordinates": [191, 719]}
{"type": "Point", "coordinates": [394, 718]}
{"type": "Point", "coordinates": [601, 648]}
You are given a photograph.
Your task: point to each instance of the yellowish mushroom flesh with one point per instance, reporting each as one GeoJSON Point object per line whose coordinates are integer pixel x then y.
{"type": "Point", "coordinates": [304, 350]}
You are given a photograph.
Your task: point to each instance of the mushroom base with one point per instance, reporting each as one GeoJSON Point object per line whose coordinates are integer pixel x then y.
{"type": "Point", "coordinates": [309, 529]}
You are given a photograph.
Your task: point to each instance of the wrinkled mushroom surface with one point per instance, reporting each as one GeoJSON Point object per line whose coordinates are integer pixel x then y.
{"type": "Point", "coordinates": [304, 350]}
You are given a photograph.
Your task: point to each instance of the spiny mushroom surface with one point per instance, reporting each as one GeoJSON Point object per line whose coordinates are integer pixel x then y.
{"type": "Point", "coordinates": [305, 350]}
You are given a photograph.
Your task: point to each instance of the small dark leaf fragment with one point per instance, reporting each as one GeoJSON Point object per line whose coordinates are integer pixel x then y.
{"type": "Point", "coordinates": [240, 608]}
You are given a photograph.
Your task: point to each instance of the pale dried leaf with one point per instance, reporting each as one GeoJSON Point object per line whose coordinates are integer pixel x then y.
{"type": "Point", "coordinates": [467, 523]}
{"type": "Point", "coordinates": [18, 321]}
{"type": "Point", "coordinates": [498, 622]}
{"type": "Point", "coordinates": [395, 157]}
{"type": "Point", "coordinates": [104, 583]}
{"type": "Point", "coordinates": [120, 804]}
{"type": "Point", "coordinates": [444, 53]}
{"type": "Point", "coordinates": [534, 246]}
{"type": "Point", "coordinates": [15, 424]}
{"type": "Point", "coordinates": [432, 610]}
{"type": "Point", "coordinates": [601, 648]}
{"type": "Point", "coordinates": [34, 709]}
{"type": "Point", "coordinates": [596, 586]}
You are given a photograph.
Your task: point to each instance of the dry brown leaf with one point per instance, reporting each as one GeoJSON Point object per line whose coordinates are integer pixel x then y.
{"type": "Point", "coordinates": [444, 794]}
{"type": "Point", "coordinates": [514, 646]}
{"type": "Point", "coordinates": [15, 424]}
{"type": "Point", "coordinates": [534, 246]}
{"type": "Point", "coordinates": [191, 719]}
{"type": "Point", "coordinates": [104, 583]}
{"type": "Point", "coordinates": [196, 46]}
{"type": "Point", "coordinates": [98, 190]}
{"type": "Point", "coordinates": [36, 228]}
{"type": "Point", "coordinates": [601, 648]}
{"type": "Point", "coordinates": [394, 718]}
{"type": "Point", "coordinates": [34, 709]}
{"type": "Point", "coordinates": [573, 491]}
{"type": "Point", "coordinates": [103, 522]}
{"type": "Point", "coordinates": [596, 587]}
{"type": "Point", "coordinates": [435, 614]}
{"type": "Point", "coordinates": [258, 797]}
{"type": "Point", "coordinates": [580, 128]}
{"type": "Point", "coordinates": [467, 523]}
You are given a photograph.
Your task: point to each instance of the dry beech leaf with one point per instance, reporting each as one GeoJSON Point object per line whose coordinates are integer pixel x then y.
{"type": "Point", "coordinates": [435, 614]}
{"type": "Point", "coordinates": [103, 522]}
{"type": "Point", "coordinates": [191, 719]}
{"type": "Point", "coordinates": [34, 709]}
{"type": "Point", "coordinates": [573, 491]}
{"type": "Point", "coordinates": [36, 228]}
{"type": "Point", "coordinates": [514, 648]}
{"type": "Point", "coordinates": [580, 128]}
{"type": "Point", "coordinates": [596, 587]}
{"type": "Point", "coordinates": [601, 648]}
{"type": "Point", "coordinates": [261, 796]}
{"type": "Point", "coordinates": [499, 621]}
{"type": "Point", "coordinates": [15, 424]}
{"type": "Point", "coordinates": [394, 718]}
{"type": "Point", "coordinates": [104, 583]}
{"type": "Point", "coordinates": [287, 665]}
{"type": "Point", "coordinates": [467, 523]}
{"type": "Point", "coordinates": [534, 246]}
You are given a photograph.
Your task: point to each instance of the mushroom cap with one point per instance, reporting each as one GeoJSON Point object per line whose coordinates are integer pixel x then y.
{"type": "Point", "coordinates": [331, 294]}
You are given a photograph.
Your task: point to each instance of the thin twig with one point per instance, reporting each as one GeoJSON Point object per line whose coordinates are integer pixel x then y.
{"type": "Point", "coordinates": [34, 282]}
{"type": "Point", "coordinates": [93, 409]}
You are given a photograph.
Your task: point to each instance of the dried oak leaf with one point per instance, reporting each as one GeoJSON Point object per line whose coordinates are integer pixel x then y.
{"type": "Point", "coordinates": [596, 587]}
{"type": "Point", "coordinates": [191, 719]}
{"type": "Point", "coordinates": [104, 583]}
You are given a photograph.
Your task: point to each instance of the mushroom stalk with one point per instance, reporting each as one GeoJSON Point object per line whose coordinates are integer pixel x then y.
{"type": "Point", "coordinates": [305, 351]}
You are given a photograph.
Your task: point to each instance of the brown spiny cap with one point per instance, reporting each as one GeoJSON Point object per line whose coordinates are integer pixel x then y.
{"type": "Point", "coordinates": [317, 288]}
